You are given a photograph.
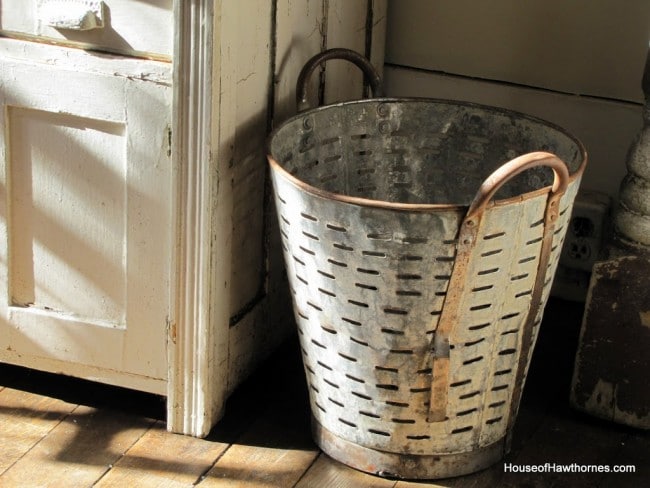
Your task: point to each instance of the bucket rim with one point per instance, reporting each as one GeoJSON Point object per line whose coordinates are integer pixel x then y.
{"type": "Point", "coordinates": [278, 169]}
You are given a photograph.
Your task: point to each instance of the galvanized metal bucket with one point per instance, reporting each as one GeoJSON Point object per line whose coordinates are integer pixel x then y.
{"type": "Point", "coordinates": [418, 297]}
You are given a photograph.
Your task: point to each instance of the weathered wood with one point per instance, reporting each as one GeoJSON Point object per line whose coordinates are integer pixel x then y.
{"type": "Point", "coordinates": [25, 418]}
{"type": "Point", "coordinates": [159, 458]}
{"type": "Point", "coordinates": [79, 450]}
{"type": "Point", "coordinates": [327, 472]}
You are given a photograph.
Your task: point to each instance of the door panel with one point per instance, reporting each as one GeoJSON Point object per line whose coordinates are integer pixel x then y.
{"type": "Point", "coordinates": [85, 219]}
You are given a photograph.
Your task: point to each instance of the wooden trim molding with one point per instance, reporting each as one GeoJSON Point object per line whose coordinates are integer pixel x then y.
{"type": "Point", "coordinates": [196, 383]}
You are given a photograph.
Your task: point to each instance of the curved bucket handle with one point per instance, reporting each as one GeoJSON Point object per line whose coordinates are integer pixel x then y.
{"type": "Point", "coordinates": [457, 283]}
{"type": "Point", "coordinates": [371, 75]}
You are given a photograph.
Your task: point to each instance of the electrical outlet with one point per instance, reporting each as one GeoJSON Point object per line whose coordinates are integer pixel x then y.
{"type": "Point", "coordinates": [583, 242]}
{"type": "Point", "coordinates": [583, 245]}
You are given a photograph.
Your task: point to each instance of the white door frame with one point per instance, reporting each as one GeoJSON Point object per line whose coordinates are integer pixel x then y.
{"type": "Point", "coordinates": [198, 325]}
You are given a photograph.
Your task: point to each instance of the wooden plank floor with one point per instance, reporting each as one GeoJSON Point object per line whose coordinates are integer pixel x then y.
{"type": "Point", "coordinates": [61, 432]}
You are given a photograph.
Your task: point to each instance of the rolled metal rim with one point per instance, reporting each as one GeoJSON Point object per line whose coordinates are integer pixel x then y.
{"type": "Point", "coordinates": [423, 207]}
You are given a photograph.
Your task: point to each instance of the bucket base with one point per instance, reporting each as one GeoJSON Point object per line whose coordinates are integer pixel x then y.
{"type": "Point", "coordinates": [406, 466]}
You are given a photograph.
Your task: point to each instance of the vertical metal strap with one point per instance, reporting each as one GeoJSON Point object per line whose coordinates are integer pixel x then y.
{"type": "Point", "coordinates": [440, 347]}
{"type": "Point", "coordinates": [551, 215]}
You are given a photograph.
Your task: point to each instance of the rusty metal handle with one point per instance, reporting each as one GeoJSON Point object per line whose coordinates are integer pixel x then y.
{"type": "Point", "coordinates": [371, 75]}
{"type": "Point", "coordinates": [511, 169]}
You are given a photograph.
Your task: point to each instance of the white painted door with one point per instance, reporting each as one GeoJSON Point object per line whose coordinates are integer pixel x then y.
{"type": "Point", "coordinates": [85, 214]}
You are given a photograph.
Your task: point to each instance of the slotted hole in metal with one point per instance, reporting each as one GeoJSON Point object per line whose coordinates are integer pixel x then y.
{"type": "Point", "coordinates": [285, 220]}
{"type": "Point", "coordinates": [328, 330]}
{"type": "Point", "coordinates": [420, 390]}
{"type": "Point", "coordinates": [358, 341]}
{"type": "Point", "coordinates": [527, 260]}
{"type": "Point", "coordinates": [479, 326]}
{"type": "Point", "coordinates": [386, 330]}
{"type": "Point", "coordinates": [302, 280]}
{"type": "Point", "coordinates": [418, 437]}
{"type": "Point", "coordinates": [533, 241]}
{"type": "Point", "coordinates": [331, 383]}
{"type": "Point", "coordinates": [482, 288]}
{"type": "Point", "coordinates": [354, 378]}
{"type": "Point", "coordinates": [349, 358]}
{"type": "Point", "coordinates": [483, 306]}
{"type": "Point", "coordinates": [493, 421]}
{"type": "Point", "coordinates": [314, 306]}
{"type": "Point", "coordinates": [519, 277]}
{"type": "Point", "coordinates": [466, 412]}
{"type": "Point", "coordinates": [523, 293]}
{"type": "Point", "coordinates": [320, 407]}
{"type": "Point", "coordinates": [310, 236]}
{"type": "Point", "coordinates": [410, 257]}
{"type": "Point", "coordinates": [327, 292]}
{"type": "Point", "coordinates": [510, 315]}
{"type": "Point", "coordinates": [332, 158]}
{"type": "Point", "coordinates": [408, 276]}
{"type": "Point", "coordinates": [488, 271]}
{"type": "Point", "coordinates": [473, 343]}
{"type": "Point", "coordinates": [369, 414]}
{"type": "Point", "coordinates": [326, 275]}
{"type": "Point", "coordinates": [330, 140]}
{"type": "Point", "coordinates": [308, 251]}
{"type": "Point", "coordinates": [462, 429]}
{"type": "Point", "coordinates": [376, 254]}
{"type": "Point", "coordinates": [397, 404]}
{"type": "Point", "coordinates": [402, 421]}
{"type": "Point", "coordinates": [499, 387]}
{"type": "Point", "coordinates": [395, 311]}
{"type": "Point", "coordinates": [387, 387]}
{"type": "Point", "coordinates": [373, 272]}
{"type": "Point", "coordinates": [460, 383]}
{"type": "Point", "coordinates": [472, 360]}
{"type": "Point", "coordinates": [365, 287]}
{"type": "Point", "coordinates": [350, 321]}
{"type": "Point", "coordinates": [491, 253]}
{"type": "Point", "coordinates": [358, 304]}
{"type": "Point", "coordinates": [365, 171]}
{"type": "Point", "coordinates": [386, 369]}
{"type": "Point", "coordinates": [298, 260]}
{"type": "Point", "coordinates": [337, 228]}
{"type": "Point", "coordinates": [336, 402]}
{"type": "Point", "coordinates": [307, 216]}
{"type": "Point", "coordinates": [361, 395]}
{"type": "Point", "coordinates": [313, 387]}
{"type": "Point", "coordinates": [497, 404]}
{"type": "Point", "coordinates": [337, 263]}
{"type": "Point", "coordinates": [379, 432]}
{"type": "Point", "coordinates": [408, 293]}
{"type": "Point", "coordinates": [323, 365]}
{"type": "Point", "coordinates": [467, 396]}
{"type": "Point", "coordinates": [510, 331]}
{"type": "Point", "coordinates": [347, 422]}
{"type": "Point", "coordinates": [502, 372]}
{"type": "Point", "coordinates": [377, 236]}
{"type": "Point", "coordinates": [489, 237]}
{"type": "Point", "coordinates": [342, 247]}
{"type": "Point", "coordinates": [507, 352]}
{"type": "Point", "coordinates": [316, 343]}
{"type": "Point", "coordinates": [401, 351]}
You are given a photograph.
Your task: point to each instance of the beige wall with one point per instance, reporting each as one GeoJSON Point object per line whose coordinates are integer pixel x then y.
{"type": "Point", "coordinates": [534, 57]}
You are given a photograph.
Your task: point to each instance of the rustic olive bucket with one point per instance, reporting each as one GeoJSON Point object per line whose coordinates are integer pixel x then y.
{"type": "Point", "coordinates": [418, 296]}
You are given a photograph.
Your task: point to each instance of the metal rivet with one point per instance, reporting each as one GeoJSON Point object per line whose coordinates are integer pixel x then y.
{"type": "Point", "coordinates": [307, 124]}
{"type": "Point", "coordinates": [384, 127]}
{"type": "Point", "coordinates": [383, 110]}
